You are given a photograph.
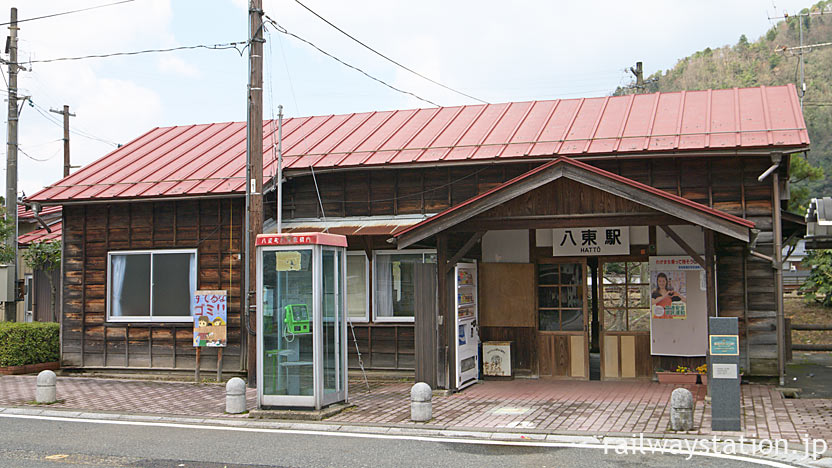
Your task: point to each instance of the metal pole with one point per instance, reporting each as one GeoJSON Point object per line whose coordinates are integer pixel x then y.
{"type": "Point", "coordinates": [279, 217]}
{"type": "Point", "coordinates": [11, 166]}
{"type": "Point", "coordinates": [778, 271]}
{"type": "Point", "coordinates": [802, 77]}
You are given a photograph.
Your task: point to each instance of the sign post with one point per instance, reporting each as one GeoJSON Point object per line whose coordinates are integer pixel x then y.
{"type": "Point", "coordinates": [724, 375]}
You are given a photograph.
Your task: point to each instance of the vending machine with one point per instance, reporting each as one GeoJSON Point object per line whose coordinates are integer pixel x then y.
{"type": "Point", "coordinates": [468, 338]}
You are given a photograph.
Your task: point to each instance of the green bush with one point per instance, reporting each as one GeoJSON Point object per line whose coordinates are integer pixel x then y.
{"type": "Point", "coordinates": [28, 343]}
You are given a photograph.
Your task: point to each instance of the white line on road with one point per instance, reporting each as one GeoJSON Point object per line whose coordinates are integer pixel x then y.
{"type": "Point", "coordinates": [357, 435]}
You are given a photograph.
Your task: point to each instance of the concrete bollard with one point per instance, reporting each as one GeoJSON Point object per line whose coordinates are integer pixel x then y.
{"type": "Point", "coordinates": [681, 410]}
{"type": "Point", "coordinates": [45, 392]}
{"type": "Point", "coordinates": [235, 396]}
{"type": "Point", "coordinates": [420, 405]}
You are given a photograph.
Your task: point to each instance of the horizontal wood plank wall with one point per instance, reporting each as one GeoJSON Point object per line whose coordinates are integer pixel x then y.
{"type": "Point", "coordinates": [383, 346]}
{"type": "Point", "coordinates": [213, 227]}
{"type": "Point", "coordinates": [728, 184]}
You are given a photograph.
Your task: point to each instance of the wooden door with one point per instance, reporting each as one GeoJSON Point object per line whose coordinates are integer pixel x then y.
{"type": "Point", "coordinates": [624, 311]}
{"type": "Point", "coordinates": [562, 322]}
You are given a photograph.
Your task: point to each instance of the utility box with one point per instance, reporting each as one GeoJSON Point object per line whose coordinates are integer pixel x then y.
{"type": "Point", "coordinates": [496, 360]}
{"type": "Point", "coordinates": [301, 320]}
{"type": "Point", "coordinates": [7, 284]}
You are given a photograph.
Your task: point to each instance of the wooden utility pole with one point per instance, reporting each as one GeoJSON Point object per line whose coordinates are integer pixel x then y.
{"type": "Point", "coordinates": [638, 71]}
{"type": "Point", "coordinates": [67, 115]}
{"type": "Point", "coordinates": [254, 175]}
{"type": "Point", "coordinates": [11, 164]}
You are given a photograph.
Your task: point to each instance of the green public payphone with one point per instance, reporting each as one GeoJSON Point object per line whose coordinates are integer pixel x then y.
{"type": "Point", "coordinates": [296, 319]}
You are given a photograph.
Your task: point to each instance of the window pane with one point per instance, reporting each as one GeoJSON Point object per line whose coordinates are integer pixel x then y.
{"type": "Point", "coordinates": [570, 273]}
{"type": "Point", "coordinates": [638, 272]}
{"type": "Point", "coordinates": [571, 320]}
{"type": "Point", "coordinates": [548, 320]}
{"type": "Point", "coordinates": [639, 319]}
{"type": "Point", "coordinates": [571, 296]}
{"type": "Point", "coordinates": [173, 284]}
{"type": "Point", "coordinates": [614, 273]}
{"type": "Point", "coordinates": [613, 296]}
{"type": "Point", "coordinates": [547, 296]}
{"type": "Point", "coordinates": [357, 286]}
{"type": "Point", "coordinates": [614, 320]}
{"type": "Point", "coordinates": [638, 296]}
{"type": "Point", "coordinates": [547, 274]}
{"type": "Point", "coordinates": [130, 285]}
{"type": "Point", "coordinates": [394, 284]}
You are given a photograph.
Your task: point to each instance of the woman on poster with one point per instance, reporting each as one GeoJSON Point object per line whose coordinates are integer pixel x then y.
{"type": "Point", "coordinates": [664, 294]}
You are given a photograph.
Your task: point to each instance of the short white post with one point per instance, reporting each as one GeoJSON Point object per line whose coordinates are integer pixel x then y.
{"type": "Point", "coordinates": [45, 391]}
{"type": "Point", "coordinates": [235, 396]}
{"type": "Point", "coordinates": [681, 410]}
{"type": "Point", "coordinates": [420, 404]}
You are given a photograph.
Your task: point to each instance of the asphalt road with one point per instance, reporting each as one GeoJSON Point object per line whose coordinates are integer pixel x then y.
{"type": "Point", "coordinates": [27, 443]}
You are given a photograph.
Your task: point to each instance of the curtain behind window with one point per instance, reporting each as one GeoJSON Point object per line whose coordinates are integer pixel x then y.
{"type": "Point", "coordinates": [384, 286]}
{"type": "Point", "coordinates": [119, 263]}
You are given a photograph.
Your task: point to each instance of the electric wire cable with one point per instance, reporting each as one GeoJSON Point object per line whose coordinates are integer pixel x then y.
{"type": "Point", "coordinates": [228, 45]}
{"type": "Point", "coordinates": [388, 58]}
{"type": "Point", "coordinates": [283, 30]}
{"type": "Point", "coordinates": [68, 12]}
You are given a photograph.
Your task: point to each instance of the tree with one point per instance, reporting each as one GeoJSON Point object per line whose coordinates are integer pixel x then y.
{"type": "Point", "coordinates": [801, 171]}
{"type": "Point", "coordinates": [46, 257]}
{"type": "Point", "coordinates": [818, 286]}
{"type": "Point", "coordinates": [6, 231]}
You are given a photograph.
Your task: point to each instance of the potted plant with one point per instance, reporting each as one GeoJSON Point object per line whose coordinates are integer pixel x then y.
{"type": "Point", "coordinates": [683, 375]}
{"type": "Point", "coordinates": [703, 374]}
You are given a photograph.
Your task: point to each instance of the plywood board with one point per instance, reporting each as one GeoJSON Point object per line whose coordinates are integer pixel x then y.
{"type": "Point", "coordinates": [611, 357]}
{"type": "Point", "coordinates": [628, 357]}
{"type": "Point", "coordinates": [507, 295]}
{"type": "Point", "coordinates": [577, 354]}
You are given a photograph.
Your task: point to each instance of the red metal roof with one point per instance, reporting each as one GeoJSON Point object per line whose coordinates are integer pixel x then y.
{"type": "Point", "coordinates": [24, 213]}
{"type": "Point", "coordinates": [196, 160]}
{"type": "Point", "coordinates": [594, 170]}
{"type": "Point", "coordinates": [40, 235]}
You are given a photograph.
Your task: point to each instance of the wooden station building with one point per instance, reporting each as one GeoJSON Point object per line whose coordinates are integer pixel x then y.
{"type": "Point", "coordinates": [671, 175]}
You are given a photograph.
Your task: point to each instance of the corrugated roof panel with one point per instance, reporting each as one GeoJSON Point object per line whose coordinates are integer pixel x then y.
{"type": "Point", "coordinates": [210, 159]}
{"type": "Point", "coordinates": [41, 235]}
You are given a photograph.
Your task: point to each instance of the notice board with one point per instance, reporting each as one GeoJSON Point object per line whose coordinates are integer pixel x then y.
{"type": "Point", "coordinates": [210, 310]}
{"type": "Point", "coordinates": [678, 307]}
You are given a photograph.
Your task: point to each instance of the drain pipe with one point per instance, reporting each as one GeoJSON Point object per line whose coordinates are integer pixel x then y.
{"type": "Point", "coordinates": [35, 207]}
{"type": "Point", "coordinates": [777, 227]}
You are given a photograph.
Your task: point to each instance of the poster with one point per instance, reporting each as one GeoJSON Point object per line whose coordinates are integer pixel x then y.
{"type": "Point", "coordinates": [678, 307]}
{"type": "Point", "coordinates": [210, 318]}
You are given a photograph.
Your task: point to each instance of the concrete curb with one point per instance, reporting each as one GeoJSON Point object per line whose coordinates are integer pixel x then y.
{"type": "Point", "coordinates": [609, 441]}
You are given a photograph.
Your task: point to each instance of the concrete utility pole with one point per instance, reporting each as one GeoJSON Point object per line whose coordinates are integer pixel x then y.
{"type": "Point", "coordinates": [67, 115]}
{"type": "Point", "coordinates": [11, 163]}
{"type": "Point", "coordinates": [254, 176]}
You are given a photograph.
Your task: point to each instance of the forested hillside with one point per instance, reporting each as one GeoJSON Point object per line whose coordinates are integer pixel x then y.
{"type": "Point", "coordinates": [766, 62]}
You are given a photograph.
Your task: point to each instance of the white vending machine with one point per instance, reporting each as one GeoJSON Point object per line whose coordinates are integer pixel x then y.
{"type": "Point", "coordinates": [468, 338]}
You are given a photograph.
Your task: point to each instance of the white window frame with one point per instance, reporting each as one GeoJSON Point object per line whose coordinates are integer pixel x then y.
{"type": "Point", "coordinates": [367, 286]}
{"type": "Point", "coordinates": [376, 253]}
{"type": "Point", "coordinates": [150, 318]}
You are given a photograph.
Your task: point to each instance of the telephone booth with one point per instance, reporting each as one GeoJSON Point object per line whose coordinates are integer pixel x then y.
{"type": "Point", "coordinates": [301, 320]}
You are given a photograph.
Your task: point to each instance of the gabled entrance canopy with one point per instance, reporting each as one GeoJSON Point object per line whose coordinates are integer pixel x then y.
{"type": "Point", "coordinates": [566, 169]}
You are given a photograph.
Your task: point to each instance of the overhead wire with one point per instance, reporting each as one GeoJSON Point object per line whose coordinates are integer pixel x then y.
{"type": "Point", "coordinates": [227, 45]}
{"type": "Point", "coordinates": [68, 12]}
{"type": "Point", "coordinates": [283, 30]}
{"type": "Point", "coordinates": [394, 62]}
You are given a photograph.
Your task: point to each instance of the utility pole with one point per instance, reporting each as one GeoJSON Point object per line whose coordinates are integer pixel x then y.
{"type": "Point", "coordinates": [639, 73]}
{"type": "Point", "coordinates": [254, 177]}
{"type": "Point", "coordinates": [67, 115]}
{"type": "Point", "coordinates": [11, 165]}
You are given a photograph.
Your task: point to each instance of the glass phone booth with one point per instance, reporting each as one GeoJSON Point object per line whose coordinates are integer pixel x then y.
{"type": "Point", "coordinates": [301, 320]}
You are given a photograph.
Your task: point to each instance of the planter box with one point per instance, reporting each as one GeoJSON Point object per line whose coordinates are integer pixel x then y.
{"type": "Point", "coordinates": [30, 368]}
{"type": "Point", "coordinates": [677, 378]}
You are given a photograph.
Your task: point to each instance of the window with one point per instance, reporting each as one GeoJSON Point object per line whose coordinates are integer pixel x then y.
{"type": "Point", "coordinates": [394, 274]}
{"type": "Point", "coordinates": [560, 297]}
{"type": "Point", "coordinates": [626, 296]}
{"type": "Point", "coordinates": [151, 285]}
{"type": "Point", "coordinates": [358, 290]}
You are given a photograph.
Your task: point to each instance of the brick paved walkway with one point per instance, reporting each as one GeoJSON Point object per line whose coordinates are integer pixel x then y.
{"type": "Point", "coordinates": [562, 407]}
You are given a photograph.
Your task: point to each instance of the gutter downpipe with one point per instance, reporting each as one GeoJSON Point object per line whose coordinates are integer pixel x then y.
{"type": "Point", "coordinates": [777, 227]}
{"type": "Point", "coordinates": [36, 212]}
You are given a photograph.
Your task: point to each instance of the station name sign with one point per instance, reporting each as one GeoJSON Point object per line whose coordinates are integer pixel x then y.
{"type": "Point", "coordinates": [576, 242]}
{"type": "Point", "coordinates": [302, 238]}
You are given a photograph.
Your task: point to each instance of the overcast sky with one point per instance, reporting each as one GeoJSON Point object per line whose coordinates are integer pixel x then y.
{"type": "Point", "coordinates": [494, 51]}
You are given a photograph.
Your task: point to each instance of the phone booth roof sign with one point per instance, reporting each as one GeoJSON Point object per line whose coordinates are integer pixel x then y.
{"type": "Point", "coordinates": [302, 238]}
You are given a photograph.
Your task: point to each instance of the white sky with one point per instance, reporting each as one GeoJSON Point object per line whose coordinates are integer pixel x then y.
{"type": "Point", "coordinates": [528, 50]}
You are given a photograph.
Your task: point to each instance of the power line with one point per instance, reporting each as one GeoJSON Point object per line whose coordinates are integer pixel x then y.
{"type": "Point", "coordinates": [69, 12]}
{"type": "Point", "coordinates": [229, 45]}
{"type": "Point", "coordinates": [283, 30]}
{"type": "Point", "coordinates": [36, 159]}
{"type": "Point", "coordinates": [388, 58]}
{"type": "Point", "coordinates": [43, 112]}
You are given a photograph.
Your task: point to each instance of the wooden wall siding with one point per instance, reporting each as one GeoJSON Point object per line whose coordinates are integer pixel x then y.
{"type": "Point", "coordinates": [213, 227]}
{"type": "Point", "coordinates": [383, 346]}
